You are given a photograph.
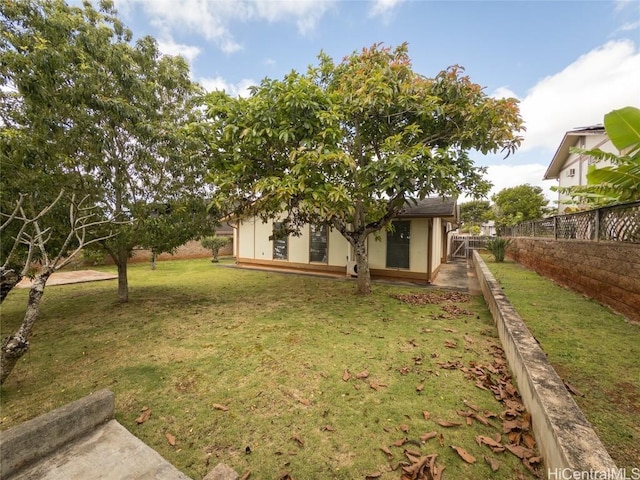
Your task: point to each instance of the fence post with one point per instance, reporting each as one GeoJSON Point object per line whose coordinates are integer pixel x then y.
{"type": "Point", "coordinates": [555, 227]}
{"type": "Point", "coordinates": [597, 225]}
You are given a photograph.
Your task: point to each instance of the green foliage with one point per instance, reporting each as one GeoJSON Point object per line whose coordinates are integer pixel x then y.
{"type": "Point", "coordinates": [214, 244]}
{"type": "Point", "coordinates": [518, 204]}
{"type": "Point", "coordinates": [497, 247]}
{"type": "Point", "coordinates": [369, 135]}
{"type": "Point", "coordinates": [474, 213]}
{"type": "Point", "coordinates": [619, 182]}
{"type": "Point", "coordinates": [84, 108]}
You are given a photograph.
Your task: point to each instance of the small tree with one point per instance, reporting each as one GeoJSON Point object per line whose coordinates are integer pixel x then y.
{"type": "Point", "coordinates": [32, 242]}
{"type": "Point", "coordinates": [214, 244]}
{"type": "Point", "coordinates": [518, 204]}
{"type": "Point", "coordinates": [498, 248]}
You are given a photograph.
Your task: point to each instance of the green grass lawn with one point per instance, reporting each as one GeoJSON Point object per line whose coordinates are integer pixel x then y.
{"type": "Point", "coordinates": [593, 349]}
{"type": "Point", "coordinates": [272, 349]}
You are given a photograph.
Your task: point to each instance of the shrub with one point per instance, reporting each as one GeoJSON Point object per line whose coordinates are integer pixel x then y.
{"type": "Point", "coordinates": [498, 247]}
{"type": "Point", "coordinates": [214, 244]}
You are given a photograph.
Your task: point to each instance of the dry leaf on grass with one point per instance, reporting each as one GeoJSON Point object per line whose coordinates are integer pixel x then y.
{"type": "Point", "coordinates": [372, 476]}
{"type": "Point", "coordinates": [481, 439]}
{"type": "Point", "coordinates": [451, 344]}
{"type": "Point", "coordinates": [493, 463]}
{"type": "Point", "coordinates": [428, 436]}
{"type": "Point", "coordinates": [363, 374]}
{"type": "Point", "coordinates": [447, 423]}
{"type": "Point", "coordinates": [297, 439]}
{"type": "Point", "coordinates": [387, 452]}
{"type": "Point", "coordinates": [573, 389]}
{"type": "Point", "coordinates": [146, 414]}
{"type": "Point", "coordinates": [328, 428]}
{"type": "Point", "coordinates": [171, 439]}
{"type": "Point", "coordinates": [420, 387]}
{"type": "Point", "coordinates": [218, 406]}
{"type": "Point", "coordinates": [464, 455]}
{"type": "Point", "coordinates": [426, 415]}
{"type": "Point", "coordinates": [346, 376]}
{"type": "Point", "coordinates": [246, 475]}
{"type": "Point", "coordinates": [399, 443]}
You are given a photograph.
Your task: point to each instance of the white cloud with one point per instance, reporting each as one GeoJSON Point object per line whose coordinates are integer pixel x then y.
{"type": "Point", "coordinates": [602, 80]}
{"type": "Point", "coordinates": [629, 26]}
{"type": "Point", "coordinates": [503, 92]}
{"type": "Point", "coordinates": [169, 47]}
{"type": "Point", "coordinates": [240, 89]}
{"type": "Point", "coordinates": [211, 18]}
{"type": "Point", "coordinates": [507, 176]}
{"type": "Point", "coordinates": [383, 7]}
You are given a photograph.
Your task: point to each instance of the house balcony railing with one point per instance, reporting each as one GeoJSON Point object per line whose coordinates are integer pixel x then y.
{"type": "Point", "coordinates": [616, 223]}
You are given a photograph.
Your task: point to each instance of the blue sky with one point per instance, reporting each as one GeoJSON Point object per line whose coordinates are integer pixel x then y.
{"type": "Point", "coordinates": [569, 62]}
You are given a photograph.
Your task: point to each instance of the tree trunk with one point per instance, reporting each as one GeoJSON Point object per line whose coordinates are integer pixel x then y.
{"type": "Point", "coordinates": [362, 261]}
{"type": "Point", "coordinates": [123, 282]}
{"type": "Point", "coordinates": [16, 345]}
{"type": "Point", "coordinates": [9, 278]}
{"type": "Point", "coordinates": [153, 260]}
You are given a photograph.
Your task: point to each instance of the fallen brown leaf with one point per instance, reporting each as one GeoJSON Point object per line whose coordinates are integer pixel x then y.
{"type": "Point", "coordinates": [146, 414]}
{"type": "Point", "coordinates": [493, 463]}
{"type": "Point", "coordinates": [346, 376]}
{"type": "Point", "coordinates": [399, 443]}
{"type": "Point", "coordinates": [404, 428]}
{"type": "Point", "coordinates": [246, 475]}
{"type": "Point", "coordinates": [481, 439]}
{"type": "Point", "coordinates": [387, 452]}
{"type": "Point", "coordinates": [373, 475]}
{"type": "Point", "coordinates": [426, 415]}
{"type": "Point", "coordinates": [217, 406]}
{"type": "Point", "coordinates": [428, 436]}
{"type": "Point", "coordinates": [297, 439]}
{"type": "Point", "coordinates": [464, 455]}
{"type": "Point", "coordinates": [363, 374]}
{"type": "Point", "coordinates": [171, 439]}
{"type": "Point", "coordinates": [420, 387]}
{"type": "Point", "coordinates": [327, 428]}
{"type": "Point", "coordinates": [573, 389]}
{"type": "Point", "coordinates": [447, 424]}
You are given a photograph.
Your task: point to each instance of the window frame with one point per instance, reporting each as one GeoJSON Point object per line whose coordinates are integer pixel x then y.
{"type": "Point", "coordinates": [326, 243]}
{"type": "Point", "coordinates": [394, 223]}
{"type": "Point", "coordinates": [276, 239]}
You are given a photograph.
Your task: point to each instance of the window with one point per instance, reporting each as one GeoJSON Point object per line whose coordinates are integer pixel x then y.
{"type": "Point", "coordinates": [280, 242]}
{"type": "Point", "coordinates": [398, 245]}
{"type": "Point", "coordinates": [318, 243]}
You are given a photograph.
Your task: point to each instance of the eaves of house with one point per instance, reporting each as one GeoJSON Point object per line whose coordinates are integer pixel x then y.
{"type": "Point", "coordinates": [562, 153]}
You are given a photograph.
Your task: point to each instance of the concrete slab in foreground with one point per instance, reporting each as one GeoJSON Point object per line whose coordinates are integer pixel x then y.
{"type": "Point", "coordinates": [80, 440]}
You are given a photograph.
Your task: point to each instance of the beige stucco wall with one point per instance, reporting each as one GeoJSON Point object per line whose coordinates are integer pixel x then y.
{"type": "Point", "coordinates": [436, 247]}
{"type": "Point", "coordinates": [339, 248]}
{"type": "Point", "coordinates": [254, 243]}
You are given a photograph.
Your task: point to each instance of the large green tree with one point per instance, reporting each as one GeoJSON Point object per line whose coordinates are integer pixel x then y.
{"type": "Point", "coordinates": [518, 204]}
{"type": "Point", "coordinates": [88, 109]}
{"type": "Point", "coordinates": [349, 144]}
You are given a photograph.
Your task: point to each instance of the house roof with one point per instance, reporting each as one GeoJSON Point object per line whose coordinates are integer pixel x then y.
{"type": "Point", "coordinates": [224, 230]}
{"type": "Point", "coordinates": [569, 140]}
{"type": "Point", "coordinates": [430, 207]}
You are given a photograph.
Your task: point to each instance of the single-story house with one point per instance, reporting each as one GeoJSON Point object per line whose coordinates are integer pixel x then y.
{"type": "Point", "coordinates": [412, 251]}
{"type": "Point", "coordinates": [570, 169]}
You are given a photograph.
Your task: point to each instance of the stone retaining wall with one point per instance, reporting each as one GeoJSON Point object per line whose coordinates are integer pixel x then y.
{"type": "Point", "coordinates": [565, 437]}
{"type": "Point", "coordinates": [605, 271]}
